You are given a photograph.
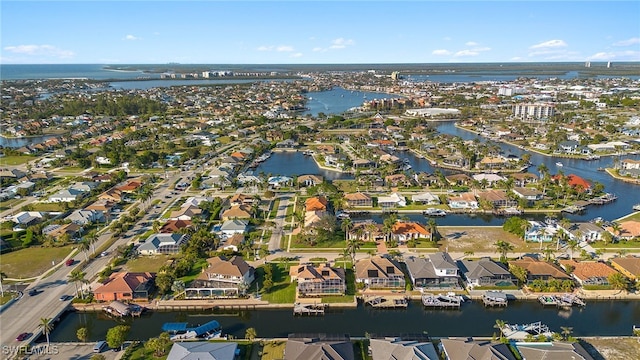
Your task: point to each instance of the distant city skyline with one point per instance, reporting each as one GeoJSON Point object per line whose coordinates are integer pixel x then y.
{"type": "Point", "coordinates": [317, 32]}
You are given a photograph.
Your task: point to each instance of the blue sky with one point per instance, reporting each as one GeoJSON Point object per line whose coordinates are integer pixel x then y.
{"type": "Point", "coordinates": [315, 32]}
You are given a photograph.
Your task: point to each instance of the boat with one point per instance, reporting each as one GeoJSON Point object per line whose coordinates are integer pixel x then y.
{"type": "Point", "coordinates": [341, 215]}
{"type": "Point", "coordinates": [449, 300]}
{"type": "Point", "coordinates": [559, 164]}
{"type": "Point", "coordinates": [434, 212]}
{"type": "Point", "coordinates": [182, 331]}
{"type": "Point", "coordinates": [636, 207]}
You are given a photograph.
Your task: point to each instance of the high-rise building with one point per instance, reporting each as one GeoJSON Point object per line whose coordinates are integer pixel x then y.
{"type": "Point", "coordinates": [535, 111]}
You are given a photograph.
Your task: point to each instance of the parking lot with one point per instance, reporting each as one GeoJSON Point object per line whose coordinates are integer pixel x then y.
{"type": "Point", "coordinates": [64, 351]}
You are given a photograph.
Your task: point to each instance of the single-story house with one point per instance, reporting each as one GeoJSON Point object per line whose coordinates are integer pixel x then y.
{"type": "Point", "coordinates": [318, 280]}
{"type": "Point", "coordinates": [163, 244]}
{"type": "Point", "coordinates": [485, 272]}
{"type": "Point", "coordinates": [125, 286]}
{"type": "Point", "coordinates": [379, 272]}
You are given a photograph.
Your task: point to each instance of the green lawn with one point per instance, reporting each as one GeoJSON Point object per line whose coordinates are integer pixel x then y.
{"type": "Point", "coordinates": [12, 203]}
{"type": "Point", "coordinates": [15, 160]}
{"type": "Point", "coordinates": [628, 244]}
{"type": "Point", "coordinates": [7, 296]}
{"type": "Point", "coordinates": [196, 270]}
{"type": "Point", "coordinates": [147, 263]}
{"type": "Point", "coordinates": [36, 206]}
{"type": "Point", "coordinates": [33, 261]}
{"type": "Point", "coordinates": [283, 290]}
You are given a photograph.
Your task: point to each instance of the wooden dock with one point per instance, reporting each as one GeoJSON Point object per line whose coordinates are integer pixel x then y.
{"type": "Point", "coordinates": [308, 309]}
{"type": "Point", "coordinates": [387, 302]}
{"type": "Point", "coordinates": [494, 298]}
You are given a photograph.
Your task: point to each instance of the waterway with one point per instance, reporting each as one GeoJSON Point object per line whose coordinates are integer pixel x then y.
{"type": "Point", "coordinates": [601, 318]}
{"type": "Point", "coordinates": [339, 100]}
{"type": "Point", "coordinates": [23, 141]}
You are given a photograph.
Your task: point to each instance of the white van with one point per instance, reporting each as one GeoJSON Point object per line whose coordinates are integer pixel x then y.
{"type": "Point", "coordinates": [99, 346]}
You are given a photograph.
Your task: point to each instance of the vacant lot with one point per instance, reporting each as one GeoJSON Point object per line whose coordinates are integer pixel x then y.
{"type": "Point", "coordinates": [34, 261]}
{"type": "Point", "coordinates": [479, 239]}
{"type": "Point", "coordinates": [613, 348]}
{"type": "Point", "coordinates": [147, 263]}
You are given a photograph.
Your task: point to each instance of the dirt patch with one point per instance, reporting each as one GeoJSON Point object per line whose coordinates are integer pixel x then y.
{"type": "Point", "coordinates": [479, 239]}
{"type": "Point", "coordinates": [623, 348]}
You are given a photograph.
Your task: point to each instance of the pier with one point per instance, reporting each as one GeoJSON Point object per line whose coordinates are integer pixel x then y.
{"type": "Point", "coordinates": [308, 309]}
{"type": "Point", "coordinates": [387, 302]}
{"type": "Point", "coordinates": [495, 298]}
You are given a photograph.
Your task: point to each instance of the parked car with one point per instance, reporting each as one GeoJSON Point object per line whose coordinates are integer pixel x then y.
{"type": "Point", "coordinates": [23, 336]}
{"type": "Point", "coordinates": [65, 297]}
{"type": "Point", "coordinates": [69, 262]}
{"type": "Point", "coordinates": [33, 292]}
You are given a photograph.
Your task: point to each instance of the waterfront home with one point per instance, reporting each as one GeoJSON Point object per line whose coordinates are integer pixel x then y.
{"type": "Point", "coordinates": [491, 162]}
{"type": "Point", "coordinates": [485, 272]}
{"type": "Point", "coordinates": [203, 350]}
{"type": "Point", "coordinates": [362, 163]}
{"type": "Point", "coordinates": [522, 179]}
{"type": "Point", "coordinates": [84, 217]}
{"type": "Point", "coordinates": [455, 349]}
{"type": "Point", "coordinates": [588, 272]}
{"type": "Point", "coordinates": [404, 231]}
{"type": "Point", "coordinates": [379, 272]}
{"type": "Point", "coordinates": [300, 347]}
{"type": "Point", "coordinates": [186, 212]}
{"type": "Point", "coordinates": [539, 270]}
{"type": "Point", "coordinates": [459, 179]}
{"type": "Point", "coordinates": [233, 226]}
{"type": "Point", "coordinates": [397, 180]}
{"type": "Point", "coordinates": [541, 232]}
{"type": "Point", "coordinates": [399, 349]}
{"type": "Point", "coordinates": [568, 147]}
{"type": "Point", "coordinates": [496, 198]}
{"type": "Point", "coordinates": [316, 203]}
{"type": "Point", "coordinates": [237, 212]}
{"type": "Point", "coordinates": [463, 201]}
{"type": "Point", "coordinates": [125, 286]}
{"type": "Point", "coordinates": [172, 226]}
{"type": "Point", "coordinates": [489, 179]}
{"type": "Point", "coordinates": [629, 266]}
{"type": "Point", "coordinates": [287, 144]}
{"type": "Point", "coordinates": [222, 278]}
{"type": "Point", "coordinates": [358, 199]}
{"type": "Point", "coordinates": [425, 179]}
{"type": "Point", "coordinates": [310, 180]}
{"type": "Point", "coordinates": [279, 181]}
{"type": "Point", "coordinates": [435, 271]}
{"type": "Point", "coordinates": [552, 350]}
{"type": "Point", "coordinates": [579, 184]}
{"type": "Point", "coordinates": [628, 230]}
{"type": "Point", "coordinates": [426, 198]}
{"type": "Point", "coordinates": [585, 231]}
{"type": "Point", "coordinates": [318, 280]}
{"type": "Point", "coordinates": [367, 230]}
{"type": "Point", "coordinates": [163, 244]}
{"type": "Point", "coordinates": [629, 164]}
{"type": "Point", "coordinates": [391, 201]}
{"type": "Point", "coordinates": [527, 193]}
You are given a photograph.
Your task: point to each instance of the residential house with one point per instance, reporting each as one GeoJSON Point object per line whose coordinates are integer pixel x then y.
{"type": "Point", "coordinates": [321, 280]}
{"type": "Point", "coordinates": [189, 350]}
{"type": "Point", "coordinates": [186, 212]}
{"type": "Point", "coordinates": [585, 231]}
{"type": "Point", "coordinates": [485, 272]}
{"type": "Point", "coordinates": [318, 348]}
{"type": "Point", "coordinates": [392, 201]}
{"type": "Point", "coordinates": [568, 147]}
{"type": "Point", "coordinates": [541, 232]}
{"type": "Point", "coordinates": [588, 272]}
{"type": "Point", "coordinates": [130, 186]}
{"type": "Point", "coordinates": [426, 198]}
{"type": "Point", "coordinates": [84, 217]}
{"type": "Point", "coordinates": [539, 270]}
{"type": "Point", "coordinates": [232, 243]}
{"type": "Point", "coordinates": [316, 203]}
{"type": "Point", "coordinates": [399, 349]}
{"type": "Point", "coordinates": [574, 181]}
{"type": "Point", "coordinates": [552, 350]}
{"type": "Point", "coordinates": [222, 278]}
{"type": "Point", "coordinates": [84, 186]}
{"type": "Point", "coordinates": [459, 179]}
{"type": "Point", "coordinates": [27, 218]}
{"type": "Point", "coordinates": [172, 226]}
{"type": "Point", "coordinates": [279, 181]}
{"type": "Point", "coordinates": [404, 231]}
{"type": "Point", "coordinates": [242, 199]}
{"type": "Point", "coordinates": [367, 231]}
{"type": "Point", "coordinates": [358, 200]}
{"type": "Point", "coordinates": [530, 194]}
{"type": "Point", "coordinates": [237, 212]}
{"type": "Point", "coordinates": [70, 229]}
{"type": "Point", "coordinates": [438, 270]}
{"type": "Point", "coordinates": [463, 201]}
{"type": "Point", "coordinates": [104, 206]}
{"type": "Point", "coordinates": [457, 349]}
{"type": "Point", "coordinates": [195, 201]}
{"type": "Point", "coordinates": [397, 180]}
{"type": "Point", "coordinates": [522, 179]}
{"type": "Point", "coordinates": [628, 230]}
{"type": "Point", "coordinates": [163, 244]}
{"type": "Point", "coordinates": [489, 179]}
{"type": "Point", "coordinates": [125, 286]}
{"type": "Point", "coordinates": [629, 266]}
{"type": "Point", "coordinates": [112, 194]}
{"type": "Point", "coordinates": [310, 180]}
{"type": "Point", "coordinates": [379, 272]}
{"type": "Point", "coordinates": [66, 195]}
{"type": "Point", "coordinates": [496, 198]}
{"type": "Point", "coordinates": [234, 226]}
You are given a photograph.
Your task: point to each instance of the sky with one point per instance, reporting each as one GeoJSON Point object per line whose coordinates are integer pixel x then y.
{"type": "Point", "coordinates": [317, 32]}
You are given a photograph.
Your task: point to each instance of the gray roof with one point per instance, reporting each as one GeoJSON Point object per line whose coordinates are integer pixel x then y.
{"type": "Point", "coordinates": [154, 241]}
{"type": "Point", "coordinates": [315, 349]}
{"type": "Point", "coordinates": [476, 350]}
{"type": "Point", "coordinates": [442, 261]}
{"type": "Point", "coordinates": [481, 268]}
{"type": "Point", "coordinates": [203, 350]}
{"type": "Point", "coordinates": [396, 349]}
{"type": "Point", "coordinates": [420, 268]}
{"type": "Point", "coordinates": [234, 225]}
{"type": "Point", "coordinates": [553, 351]}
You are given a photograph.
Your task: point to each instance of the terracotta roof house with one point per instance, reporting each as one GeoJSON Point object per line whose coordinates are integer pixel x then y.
{"type": "Point", "coordinates": [589, 272]}
{"type": "Point", "coordinates": [399, 349]}
{"type": "Point", "coordinates": [435, 271]}
{"type": "Point", "coordinates": [366, 231]}
{"type": "Point", "coordinates": [629, 266]}
{"type": "Point", "coordinates": [105, 206]}
{"type": "Point", "coordinates": [237, 212]}
{"type": "Point", "coordinates": [125, 286]}
{"type": "Point", "coordinates": [130, 186]}
{"type": "Point", "coordinates": [112, 194]}
{"type": "Point", "coordinates": [358, 200]}
{"type": "Point", "coordinates": [307, 348]}
{"type": "Point", "coordinates": [205, 350]}
{"type": "Point", "coordinates": [454, 349]}
{"type": "Point", "coordinates": [241, 199]}
{"type": "Point", "coordinates": [628, 229]}
{"type": "Point", "coordinates": [552, 351]}
{"type": "Point", "coordinates": [172, 226]}
{"type": "Point", "coordinates": [575, 181]}
{"type": "Point", "coordinates": [404, 231]}
{"type": "Point", "coordinates": [485, 272]}
{"type": "Point", "coordinates": [379, 272]}
{"type": "Point", "coordinates": [232, 243]}
{"type": "Point", "coordinates": [310, 180]}
{"type": "Point", "coordinates": [316, 203]}
{"type": "Point", "coordinates": [222, 279]}
{"type": "Point", "coordinates": [542, 270]}
{"type": "Point", "coordinates": [321, 280]}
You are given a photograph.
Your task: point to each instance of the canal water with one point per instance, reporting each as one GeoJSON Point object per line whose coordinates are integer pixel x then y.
{"type": "Point", "coordinates": [598, 318]}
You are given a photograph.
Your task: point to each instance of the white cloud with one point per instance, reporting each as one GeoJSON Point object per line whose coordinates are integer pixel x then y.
{"type": "Point", "coordinates": [551, 44]}
{"type": "Point", "coordinates": [462, 53]}
{"type": "Point", "coordinates": [471, 43]}
{"type": "Point", "coordinates": [318, 49]}
{"type": "Point", "coordinates": [516, 58]}
{"type": "Point", "coordinates": [441, 52]}
{"type": "Point", "coordinates": [628, 55]}
{"type": "Point", "coordinates": [480, 49]}
{"type": "Point", "coordinates": [602, 56]}
{"type": "Point", "coordinates": [265, 48]}
{"type": "Point", "coordinates": [341, 43]}
{"type": "Point", "coordinates": [627, 42]}
{"type": "Point", "coordinates": [279, 48]}
{"type": "Point", "coordinates": [40, 50]}
{"type": "Point", "coordinates": [284, 48]}
{"type": "Point", "coordinates": [131, 37]}
{"type": "Point", "coordinates": [296, 55]}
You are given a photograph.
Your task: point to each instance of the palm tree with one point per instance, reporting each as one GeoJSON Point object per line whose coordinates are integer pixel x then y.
{"type": "Point", "coordinates": [346, 225]}
{"type": "Point", "coordinates": [433, 228]}
{"type": "Point", "coordinates": [548, 252]}
{"type": "Point", "coordinates": [84, 246]}
{"type": "Point", "coordinates": [46, 326]}
{"type": "Point", "coordinates": [77, 276]}
{"type": "Point", "coordinates": [572, 245]}
{"type": "Point", "coordinates": [566, 331]}
{"type": "Point", "coordinates": [618, 281]}
{"type": "Point", "coordinates": [92, 238]}
{"type": "Point", "coordinates": [2, 276]}
{"type": "Point", "coordinates": [353, 245]}
{"type": "Point", "coordinates": [499, 325]}
{"type": "Point", "coordinates": [388, 225]}
{"type": "Point", "coordinates": [503, 248]}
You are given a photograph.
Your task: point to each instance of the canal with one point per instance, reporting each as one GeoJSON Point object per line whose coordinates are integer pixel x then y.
{"type": "Point", "coordinates": [598, 318]}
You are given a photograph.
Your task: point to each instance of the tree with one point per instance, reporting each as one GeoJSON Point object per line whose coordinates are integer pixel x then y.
{"type": "Point", "coordinates": [77, 276]}
{"type": "Point", "coordinates": [158, 344]}
{"type": "Point", "coordinates": [346, 225]}
{"type": "Point", "coordinates": [548, 253]}
{"type": "Point", "coordinates": [352, 246]}
{"type": "Point", "coordinates": [520, 273]}
{"type": "Point", "coordinates": [503, 248]}
{"type": "Point", "coordinates": [83, 334]}
{"type": "Point", "coordinates": [618, 281]}
{"type": "Point", "coordinates": [45, 324]}
{"type": "Point", "coordinates": [84, 246]}
{"type": "Point", "coordinates": [117, 335]}
{"type": "Point", "coordinates": [499, 325]}
{"type": "Point", "coordinates": [566, 331]}
{"type": "Point", "coordinates": [572, 245]}
{"type": "Point", "coordinates": [250, 334]}
{"type": "Point", "coordinates": [433, 229]}
{"type": "Point", "coordinates": [2, 276]}
{"type": "Point", "coordinates": [97, 357]}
